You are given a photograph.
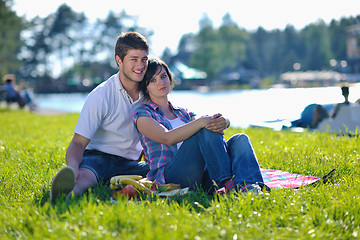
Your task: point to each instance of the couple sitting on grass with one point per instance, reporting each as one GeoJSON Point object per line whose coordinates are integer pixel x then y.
{"type": "Point", "coordinates": [133, 105]}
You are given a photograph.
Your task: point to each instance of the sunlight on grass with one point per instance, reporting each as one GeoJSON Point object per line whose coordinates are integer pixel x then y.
{"type": "Point", "coordinates": [32, 149]}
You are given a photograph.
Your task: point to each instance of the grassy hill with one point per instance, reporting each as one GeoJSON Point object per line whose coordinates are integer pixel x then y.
{"type": "Point", "coordinates": [32, 150]}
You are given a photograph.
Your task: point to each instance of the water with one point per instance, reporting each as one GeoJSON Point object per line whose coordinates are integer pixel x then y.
{"type": "Point", "coordinates": [242, 107]}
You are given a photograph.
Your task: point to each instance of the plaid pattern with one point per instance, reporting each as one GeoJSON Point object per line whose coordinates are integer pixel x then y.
{"type": "Point", "coordinates": [158, 155]}
{"type": "Point", "coordinates": [281, 179]}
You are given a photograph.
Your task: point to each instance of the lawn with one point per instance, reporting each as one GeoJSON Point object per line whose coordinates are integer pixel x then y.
{"type": "Point", "coordinates": [32, 149]}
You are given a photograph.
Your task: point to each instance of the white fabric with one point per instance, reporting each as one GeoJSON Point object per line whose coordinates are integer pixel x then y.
{"type": "Point", "coordinates": [176, 123]}
{"type": "Point", "coordinates": [355, 112]}
{"type": "Point", "coordinates": [106, 119]}
{"type": "Point", "coordinates": [347, 120]}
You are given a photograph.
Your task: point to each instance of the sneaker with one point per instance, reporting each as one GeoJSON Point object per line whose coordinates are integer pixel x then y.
{"type": "Point", "coordinates": [63, 183]}
{"type": "Point", "coordinates": [221, 190]}
{"type": "Point", "coordinates": [250, 188]}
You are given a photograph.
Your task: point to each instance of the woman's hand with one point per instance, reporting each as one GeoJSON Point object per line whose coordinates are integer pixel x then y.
{"type": "Point", "coordinates": [217, 123]}
{"type": "Point", "coordinates": [157, 132]}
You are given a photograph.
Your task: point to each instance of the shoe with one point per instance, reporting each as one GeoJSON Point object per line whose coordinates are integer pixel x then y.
{"type": "Point", "coordinates": [221, 190]}
{"type": "Point", "coordinates": [63, 183]}
{"type": "Point", "coordinates": [250, 188]}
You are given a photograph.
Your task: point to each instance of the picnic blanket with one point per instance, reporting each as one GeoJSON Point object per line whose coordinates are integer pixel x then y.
{"type": "Point", "coordinates": [280, 179]}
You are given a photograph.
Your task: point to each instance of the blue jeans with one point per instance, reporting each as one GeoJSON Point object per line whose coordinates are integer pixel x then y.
{"type": "Point", "coordinates": [206, 157]}
{"type": "Point", "coordinates": [106, 166]}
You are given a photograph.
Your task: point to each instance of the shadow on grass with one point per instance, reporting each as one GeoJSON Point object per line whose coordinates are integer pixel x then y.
{"type": "Point", "coordinates": [100, 192]}
{"type": "Point", "coordinates": [198, 200]}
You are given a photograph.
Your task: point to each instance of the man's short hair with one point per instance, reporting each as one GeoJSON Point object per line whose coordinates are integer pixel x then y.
{"type": "Point", "coordinates": [345, 89]}
{"type": "Point", "coordinates": [130, 40]}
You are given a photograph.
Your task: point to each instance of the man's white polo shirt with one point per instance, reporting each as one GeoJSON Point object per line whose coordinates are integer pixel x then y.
{"type": "Point", "coordinates": [106, 119]}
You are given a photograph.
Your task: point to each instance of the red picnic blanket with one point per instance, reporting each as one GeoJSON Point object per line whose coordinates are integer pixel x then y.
{"type": "Point", "coordinates": [280, 179]}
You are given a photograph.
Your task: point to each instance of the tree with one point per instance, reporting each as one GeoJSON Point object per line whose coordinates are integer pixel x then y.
{"type": "Point", "coordinates": [219, 50]}
{"type": "Point", "coordinates": [232, 43]}
{"type": "Point", "coordinates": [63, 31]}
{"type": "Point", "coordinates": [10, 41]}
{"type": "Point", "coordinates": [258, 53]}
{"type": "Point", "coordinates": [35, 52]}
{"type": "Point", "coordinates": [317, 46]}
{"type": "Point", "coordinates": [68, 37]}
{"type": "Point", "coordinates": [292, 49]}
{"type": "Point", "coordinates": [206, 56]}
{"type": "Point", "coordinates": [187, 45]}
{"type": "Point", "coordinates": [337, 33]}
{"type": "Point", "coordinates": [51, 41]}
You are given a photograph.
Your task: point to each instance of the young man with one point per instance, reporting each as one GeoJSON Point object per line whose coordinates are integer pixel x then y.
{"type": "Point", "coordinates": [105, 141]}
{"type": "Point", "coordinates": [345, 93]}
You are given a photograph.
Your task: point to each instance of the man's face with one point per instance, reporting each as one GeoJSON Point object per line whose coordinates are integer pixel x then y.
{"type": "Point", "coordinates": [134, 65]}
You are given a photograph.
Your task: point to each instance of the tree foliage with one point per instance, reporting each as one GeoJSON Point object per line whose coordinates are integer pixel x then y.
{"type": "Point", "coordinates": [10, 42]}
{"type": "Point", "coordinates": [220, 49]}
{"type": "Point", "coordinates": [269, 52]}
{"type": "Point", "coordinates": [65, 44]}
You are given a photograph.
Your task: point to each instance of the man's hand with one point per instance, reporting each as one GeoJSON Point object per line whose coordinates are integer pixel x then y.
{"type": "Point", "coordinates": [75, 152]}
{"type": "Point", "coordinates": [217, 123]}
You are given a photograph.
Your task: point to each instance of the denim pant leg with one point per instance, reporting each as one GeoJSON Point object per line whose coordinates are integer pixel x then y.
{"type": "Point", "coordinates": [204, 151]}
{"type": "Point", "coordinates": [245, 166]}
{"type": "Point", "coordinates": [105, 165]}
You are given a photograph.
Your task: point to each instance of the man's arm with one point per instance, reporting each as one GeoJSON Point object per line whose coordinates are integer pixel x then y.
{"type": "Point", "coordinates": [75, 151]}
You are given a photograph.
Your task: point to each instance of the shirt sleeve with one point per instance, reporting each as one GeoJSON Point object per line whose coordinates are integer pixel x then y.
{"type": "Point", "coordinates": [91, 116]}
{"type": "Point", "coordinates": [141, 111]}
{"type": "Point", "coordinates": [192, 115]}
{"type": "Point", "coordinates": [188, 115]}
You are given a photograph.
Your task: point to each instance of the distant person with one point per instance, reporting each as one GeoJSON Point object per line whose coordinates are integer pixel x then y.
{"type": "Point", "coordinates": [187, 151]}
{"type": "Point", "coordinates": [311, 116]}
{"type": "Point", "coordinates": [345, 93]}
{"type": "Point", "coordinates": [105, 141]}
{"type": "Point", "coordinates": [15, 93]}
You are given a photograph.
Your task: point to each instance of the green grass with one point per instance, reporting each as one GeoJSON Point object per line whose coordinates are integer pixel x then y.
{"type": "Point", "coordinates": [32, 149]}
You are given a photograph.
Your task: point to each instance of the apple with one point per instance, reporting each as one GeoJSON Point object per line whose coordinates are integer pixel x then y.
{"type": "Point", "coordinates": [128, 191]}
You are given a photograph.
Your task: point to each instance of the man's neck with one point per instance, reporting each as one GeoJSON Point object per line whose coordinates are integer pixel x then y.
{"type": "Point", "coordinates": [131, 87]}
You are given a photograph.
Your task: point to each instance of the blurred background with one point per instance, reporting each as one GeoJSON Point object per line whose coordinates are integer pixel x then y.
{"type": "Point", "coordinates": [244, 47]}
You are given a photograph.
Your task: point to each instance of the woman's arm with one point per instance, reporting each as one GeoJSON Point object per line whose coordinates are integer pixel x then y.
{"type": "Point", "coordinates": [218, 123]}
{"type": "Point", "coordinates": [158, 133]}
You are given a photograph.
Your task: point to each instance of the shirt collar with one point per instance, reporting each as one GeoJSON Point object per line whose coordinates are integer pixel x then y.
{"type": "Point", "coordinates": [121, 88]}
{"type": "Point", "coordinates": [157, 108]}
{"type": "Point", "coordinates": [118, 83]}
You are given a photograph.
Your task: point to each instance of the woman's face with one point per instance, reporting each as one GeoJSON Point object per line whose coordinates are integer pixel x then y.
{"type": "Point", "coordinates": [159, 84]}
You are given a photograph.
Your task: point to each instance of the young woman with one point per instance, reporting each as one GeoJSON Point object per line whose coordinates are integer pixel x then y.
{"type": "Point", "coordinates": [187, 151]}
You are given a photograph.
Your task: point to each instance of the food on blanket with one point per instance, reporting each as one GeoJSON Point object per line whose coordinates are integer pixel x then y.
{"type": "Point", "coordinates": [115, 187]}
{"type": "Point", "coordinates": [175, 192]}
{"type": "Point", "coordinates": [127, 184]}
{"type": "Point", "coordinates": [146, 182]}
{"type": "Point", "coordinates": [138, 185]}
{"type": "Point", "coordinates": [115, 180]}
{"type": "Point", "coordinates": [169, 193]}
{"type": "Point", "coordinates": [170, 186]}
{"type": "Point", "coordinates": [166, 187]}
{"type": "Point", "coordinates": [119, 182]}
{"type": "Point", "coordinates": [128, 190]}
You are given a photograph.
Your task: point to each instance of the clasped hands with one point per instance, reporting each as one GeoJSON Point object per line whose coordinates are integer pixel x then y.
{"type": "Point", "coordinates": [218, 123]}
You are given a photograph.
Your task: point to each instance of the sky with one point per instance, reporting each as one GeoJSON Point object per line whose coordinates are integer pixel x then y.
{"type": "Point", "coordinates": [169, 20]}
